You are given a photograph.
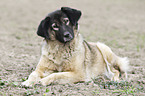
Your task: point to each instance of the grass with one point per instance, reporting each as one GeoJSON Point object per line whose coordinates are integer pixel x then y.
{"type": "Point", "coordinates": [119, 88]}
{"type": "Point", "coordinates": [129, 90]}
{"type": "Point", "coordinates": [140, 42]}
{"type": "Point", "coordinates": [123, 87]}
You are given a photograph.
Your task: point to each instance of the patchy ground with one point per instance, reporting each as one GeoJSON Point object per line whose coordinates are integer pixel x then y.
{"type": "Point", "coordinates": [118, 23]}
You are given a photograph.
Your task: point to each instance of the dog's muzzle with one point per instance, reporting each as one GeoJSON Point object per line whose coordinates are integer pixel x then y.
{"type": "Point", "coordinates": [67, 37]}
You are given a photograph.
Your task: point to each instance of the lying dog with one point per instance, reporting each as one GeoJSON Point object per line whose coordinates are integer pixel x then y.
{"type": "Point", "coordinates": [67, 58]}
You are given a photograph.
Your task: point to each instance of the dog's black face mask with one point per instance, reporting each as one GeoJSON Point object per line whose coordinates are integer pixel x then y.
{"type": "Point", "coordinates": [61, 23]}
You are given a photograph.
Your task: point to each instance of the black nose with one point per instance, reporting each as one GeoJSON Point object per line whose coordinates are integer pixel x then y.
{"type": "Point", "coordinates": [67, 36]}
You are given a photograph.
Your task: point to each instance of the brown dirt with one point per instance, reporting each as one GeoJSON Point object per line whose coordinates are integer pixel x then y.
{"type": "Point", "coordinates": [118, 23]}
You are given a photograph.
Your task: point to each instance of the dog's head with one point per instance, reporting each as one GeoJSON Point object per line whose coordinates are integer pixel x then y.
{"type": "Point", "coordinates": [59, 25]}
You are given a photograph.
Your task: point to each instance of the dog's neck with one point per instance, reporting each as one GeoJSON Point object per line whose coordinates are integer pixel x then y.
{"type": "Point", "coordinates": [61, 51]}
{"type": "Point", "coordinates": [53, 44]}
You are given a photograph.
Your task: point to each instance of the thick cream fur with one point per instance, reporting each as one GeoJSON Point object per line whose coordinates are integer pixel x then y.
{"type": "Point", "coordinates": [76, 61]}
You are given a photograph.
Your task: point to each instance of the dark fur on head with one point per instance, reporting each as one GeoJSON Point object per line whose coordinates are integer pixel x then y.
{"type": "Point", "coordinates": [60, 23]}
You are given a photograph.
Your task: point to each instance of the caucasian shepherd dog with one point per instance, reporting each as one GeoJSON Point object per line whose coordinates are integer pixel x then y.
{"type": "Point", "coordinates": [67, 58]}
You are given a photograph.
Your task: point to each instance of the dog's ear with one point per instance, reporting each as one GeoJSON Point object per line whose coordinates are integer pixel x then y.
{"type": "Point", "coordinates": [73, 14]}
{"type": "Point", "coordinates": [43, 28]}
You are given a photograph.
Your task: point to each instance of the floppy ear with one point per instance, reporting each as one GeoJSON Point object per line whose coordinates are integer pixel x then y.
{"type": "Point", "coordinates": [73, 14]}
{"type": "Point", "coordinates": [43, 28]}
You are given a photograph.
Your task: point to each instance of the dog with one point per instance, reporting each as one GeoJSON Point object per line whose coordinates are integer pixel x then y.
{"type": "Point", "coordinates": [67, 58]}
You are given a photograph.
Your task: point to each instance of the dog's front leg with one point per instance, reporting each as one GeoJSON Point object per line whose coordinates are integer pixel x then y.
{"type": "Point", "coordinates": [62, 77]}
{"type": "Point", "coordinates": [36, 75]}
{"type": "Point", "coordinates": [33, 79]}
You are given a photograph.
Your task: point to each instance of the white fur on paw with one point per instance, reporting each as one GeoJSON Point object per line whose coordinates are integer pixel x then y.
{"type": "Point", "coordinates": [45, 81]}
{"type": "Point", "coordinates": [28, 83]}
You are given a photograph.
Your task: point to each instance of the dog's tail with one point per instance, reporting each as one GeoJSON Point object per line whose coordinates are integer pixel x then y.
{"type": "Point", "coordinates": [113, 62]}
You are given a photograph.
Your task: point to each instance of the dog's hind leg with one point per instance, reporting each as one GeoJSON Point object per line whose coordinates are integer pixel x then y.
{"type": "Point", "coordinates": [111, 73]}
{"type": "Point", "coordinates": [117, 64]}
{"type": "Point", "coordinates": [108, 72]}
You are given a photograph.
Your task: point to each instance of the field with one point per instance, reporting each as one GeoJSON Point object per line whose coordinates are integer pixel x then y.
{"type": "Point", "coordinates": [118, 23]}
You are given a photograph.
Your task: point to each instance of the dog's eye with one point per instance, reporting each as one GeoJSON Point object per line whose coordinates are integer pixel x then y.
{"type": "Point", "coordinates": [55, 27]}
{"type": "Point", "coordinates": [66, 21]}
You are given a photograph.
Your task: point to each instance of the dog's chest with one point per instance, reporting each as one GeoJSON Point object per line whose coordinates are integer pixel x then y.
{"type": "Point", "coordinates": [58, 54]}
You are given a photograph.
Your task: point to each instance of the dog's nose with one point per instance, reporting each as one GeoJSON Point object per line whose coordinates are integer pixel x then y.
{"type": "Point", "coordinates": [67, 36]}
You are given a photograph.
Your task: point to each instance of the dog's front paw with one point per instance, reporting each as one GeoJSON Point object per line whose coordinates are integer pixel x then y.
{"type": "Point", "coordinates": [28, 83]}
{"type": "Point", "coordinates": [45, 82]}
